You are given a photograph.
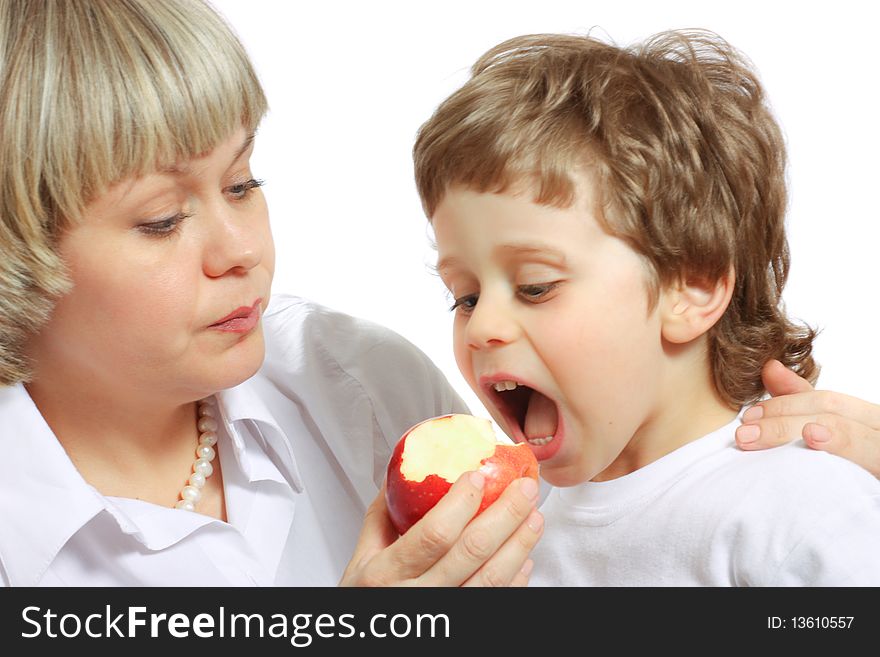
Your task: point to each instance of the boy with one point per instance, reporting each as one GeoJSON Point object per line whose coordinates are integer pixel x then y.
{"type": "Point", "coordinates": [610, 224]}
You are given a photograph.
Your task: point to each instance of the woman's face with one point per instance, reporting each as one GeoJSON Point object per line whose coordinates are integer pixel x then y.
{"type": "Point", "coordinates": [157, 263]}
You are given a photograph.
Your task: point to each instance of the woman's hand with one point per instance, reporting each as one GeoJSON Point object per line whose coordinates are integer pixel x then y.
{"type": "Point", "coordinates": [446, 547]}
{"type": "Point", "coordinates": [829, 421]}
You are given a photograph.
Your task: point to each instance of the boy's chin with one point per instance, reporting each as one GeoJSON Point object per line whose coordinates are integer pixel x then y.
{"type": "Point", "coordinates": [563, 476]}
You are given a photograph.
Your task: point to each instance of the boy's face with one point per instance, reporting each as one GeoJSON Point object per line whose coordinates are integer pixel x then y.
{"type": "Point", "coordinates": [546, 299]}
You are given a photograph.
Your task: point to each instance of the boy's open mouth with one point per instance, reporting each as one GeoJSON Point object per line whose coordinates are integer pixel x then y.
{"type": "Point", "coordinates": [530, 414]}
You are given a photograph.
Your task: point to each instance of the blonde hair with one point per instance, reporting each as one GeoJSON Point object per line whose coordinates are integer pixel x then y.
{"type": "Point", "coordinates": [92, 92]}
{"type": "Point", "coordinates": [690, 163]}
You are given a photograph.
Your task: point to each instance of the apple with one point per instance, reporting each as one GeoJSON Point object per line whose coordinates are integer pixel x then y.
{"type": "Point", "coordinates": [434, 453]}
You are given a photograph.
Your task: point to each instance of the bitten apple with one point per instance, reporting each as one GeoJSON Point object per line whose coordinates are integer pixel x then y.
{"type": "Point", "coordinates": [433, 454]}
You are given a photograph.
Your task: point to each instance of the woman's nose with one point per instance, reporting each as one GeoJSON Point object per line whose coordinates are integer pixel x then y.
{"type": "Point", "coordinates": [235, 239]}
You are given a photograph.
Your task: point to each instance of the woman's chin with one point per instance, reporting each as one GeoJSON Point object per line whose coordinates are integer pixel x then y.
{"type": "Point", "coordinates": [240, 363]}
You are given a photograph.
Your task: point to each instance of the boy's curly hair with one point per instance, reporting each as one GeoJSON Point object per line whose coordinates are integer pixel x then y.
{"type": "Point", "coordinates": [690, 162]}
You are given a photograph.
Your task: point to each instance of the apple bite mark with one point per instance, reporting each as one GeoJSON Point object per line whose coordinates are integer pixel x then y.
{"type": "Point", "coordinates": [433, 454]}
{"type": "Point", "coordinates": [447, 448]}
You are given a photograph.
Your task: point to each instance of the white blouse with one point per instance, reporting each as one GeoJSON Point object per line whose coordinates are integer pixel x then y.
{"type": "Point", "coordinates": [303, 446]}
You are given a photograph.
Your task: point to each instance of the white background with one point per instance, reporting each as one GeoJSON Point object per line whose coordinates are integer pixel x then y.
{"type": "Point", "coordinates": [349, 83]}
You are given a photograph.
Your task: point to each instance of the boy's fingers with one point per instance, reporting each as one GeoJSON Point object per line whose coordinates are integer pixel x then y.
{"type": "Point", "coordinates": [860, 444]}
{"type": "Point", "coordinates": [779, 380]}
{"type": "Point", "coordinates": [815, 402]}
{"type": "Point", "coordinates": [503, 523]}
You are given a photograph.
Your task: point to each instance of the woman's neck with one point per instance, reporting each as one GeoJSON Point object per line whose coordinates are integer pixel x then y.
{"type": "Point", "coordinates": [123, 445]}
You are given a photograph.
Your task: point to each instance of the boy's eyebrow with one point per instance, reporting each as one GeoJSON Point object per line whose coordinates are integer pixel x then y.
{"type": "Point", "coordinates": [539, 251]}
{"type": "Point", "coordinates": [543, 252]}
{"type": "Point", "coordinates": [446, 263]}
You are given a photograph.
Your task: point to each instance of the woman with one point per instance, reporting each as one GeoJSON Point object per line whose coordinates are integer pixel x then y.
{"type": "Point", "coordinates": [135, 282]}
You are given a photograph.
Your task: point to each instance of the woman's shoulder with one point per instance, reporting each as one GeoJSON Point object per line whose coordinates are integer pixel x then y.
{"type": "Point", "coordinates": [348, 370]}
{"type": "Point", "coordinates": [301, 333]}
{"type": "Point", "coordinates": [310, 346]}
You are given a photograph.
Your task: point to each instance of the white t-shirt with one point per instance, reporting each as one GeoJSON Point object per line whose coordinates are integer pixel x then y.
{"type": "Point", "coordinates": [303, 446]}
{"type": "Point", "coordinates": [710, 514]}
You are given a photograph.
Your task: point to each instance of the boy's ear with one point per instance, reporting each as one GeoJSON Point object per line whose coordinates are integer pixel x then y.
{"type": "Point", "coordinates": [692, 306]}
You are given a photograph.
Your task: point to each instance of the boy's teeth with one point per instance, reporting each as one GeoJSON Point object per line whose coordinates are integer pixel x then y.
{"type": "Point", "coordinates": [501, 386]}
{"type": "Point", "coordinates": [539, 441]}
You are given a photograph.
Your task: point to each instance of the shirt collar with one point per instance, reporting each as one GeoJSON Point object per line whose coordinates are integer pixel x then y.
{"type": "Point", "coordinates": [44, 500]}
{"type": "Point", "coordinates": [241, 408]}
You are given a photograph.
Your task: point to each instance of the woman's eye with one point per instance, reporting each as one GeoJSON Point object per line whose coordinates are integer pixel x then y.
{"type": "Point", "coordinates": [241, 190]}
{"type": "Point", "coordinates": [537, 292]}
{"type": "Point", "coordinates": [164, 227]}
{"type": "Point", "coordinates": [466, 303]}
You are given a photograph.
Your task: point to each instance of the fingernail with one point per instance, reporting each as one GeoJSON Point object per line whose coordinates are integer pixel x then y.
{"type": "Point", "coordinates": [529, 488]}
{"type": "Point", "coordinates": [527, 567]}
{"type": "Point", "coordinates": [535, 521]}
{"type": "Point", "coordinates": [477, 480]}
{"type": "Point", "coordinates": [818, 433]}
{"type": "Point", "coordinates": [753, 413]}
{"type": "Point", "coordinates": [748, 433]}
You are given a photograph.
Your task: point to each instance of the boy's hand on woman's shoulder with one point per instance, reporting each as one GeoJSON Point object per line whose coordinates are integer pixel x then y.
{"type": "Point", "coordinates": [826, 420]}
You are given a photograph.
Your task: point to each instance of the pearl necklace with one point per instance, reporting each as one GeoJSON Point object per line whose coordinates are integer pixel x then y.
{"type": "Point", "coordinates": [191, 494]}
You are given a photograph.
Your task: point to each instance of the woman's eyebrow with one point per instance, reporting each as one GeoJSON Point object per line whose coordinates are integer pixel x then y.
{"type": "Point", "coordinates": [182, 169]}
{"type": "Point", "coordinates": [248, 142]}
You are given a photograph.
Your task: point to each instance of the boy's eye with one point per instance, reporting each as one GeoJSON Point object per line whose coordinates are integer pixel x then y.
{"type": "Point", "coordinates": [537, 292]}
{"type": "Point", "coordinates": [241, 190]}
{"type": "Point", "coordinates": [465, 303]}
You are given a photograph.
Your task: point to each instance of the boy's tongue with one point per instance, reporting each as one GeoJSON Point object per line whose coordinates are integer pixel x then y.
{"type": "Point", "coordinates": [541, 417]}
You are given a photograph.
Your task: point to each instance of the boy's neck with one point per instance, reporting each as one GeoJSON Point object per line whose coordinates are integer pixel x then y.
{"type": "Point", "coordinates": [689, 409]}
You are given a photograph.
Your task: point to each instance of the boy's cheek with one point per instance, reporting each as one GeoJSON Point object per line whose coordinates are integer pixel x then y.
{"type": "Point", "coordinates": [461, 353]}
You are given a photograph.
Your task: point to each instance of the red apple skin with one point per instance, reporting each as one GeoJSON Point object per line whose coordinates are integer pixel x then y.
{"type": "Point", "coordinates": [408, 501]}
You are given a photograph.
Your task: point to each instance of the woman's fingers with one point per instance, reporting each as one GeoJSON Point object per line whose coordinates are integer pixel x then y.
{"type": "Point", "coordinates": [779, 380]}
{"type": "Point", "coordinates": [448, 546]}
{"type": "Point", "coordinates": [859, 444]}
{"type": "Point", "coordinates": [429, 539]}
{"type": "Point", "coordinates": [376, 534]}
{"type": "Point", "coordinates": [510, 565]}
{"type": "Point", "coordinates": [828, 432]}
{"type": "Point", "coordinates": [815, 402]}
{"type": "Point", "coordinates": [826, 420]}
{"type": "Point", "coordinates": [521, 579]}
{"type": "Point", "coordinates": [494, 547]}
{"type": "Point", "coordinates": [776, 421]}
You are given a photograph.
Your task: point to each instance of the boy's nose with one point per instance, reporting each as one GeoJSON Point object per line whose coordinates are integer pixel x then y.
{"type": "Point", "coordinates": [490, 325]}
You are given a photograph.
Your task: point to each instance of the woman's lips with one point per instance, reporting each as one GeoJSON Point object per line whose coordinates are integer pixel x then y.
{"type": "Point", "coordinates": [240, 320]}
